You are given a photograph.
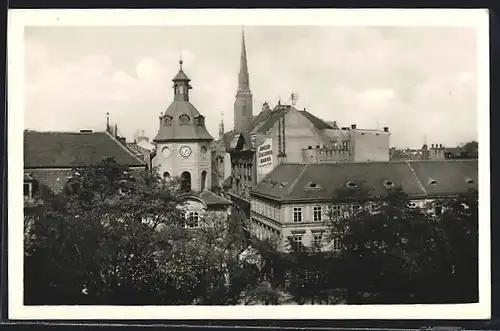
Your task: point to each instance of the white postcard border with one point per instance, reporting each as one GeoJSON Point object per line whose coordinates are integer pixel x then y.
{"type": "Point", "coordinates": [18, 19]}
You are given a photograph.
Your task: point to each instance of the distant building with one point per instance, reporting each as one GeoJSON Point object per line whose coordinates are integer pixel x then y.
{"type": "Point", "coordinates": [293, 200]}
{"type": "Point", "coordinates": [221, 160]}
{"type": "Point", "coordinates": [288, 135]}
{"type": "Point", "coordinates": [50, 157]}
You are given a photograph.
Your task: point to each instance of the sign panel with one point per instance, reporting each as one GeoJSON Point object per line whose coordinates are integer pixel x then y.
{"type": "Point", "coordinates": [264, 158]}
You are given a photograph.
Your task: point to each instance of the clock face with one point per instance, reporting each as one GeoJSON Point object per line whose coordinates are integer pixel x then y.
{"type": "Point", "coordinates": [185, 151]}
{"type": "Point", "coordinates": [165, 151]}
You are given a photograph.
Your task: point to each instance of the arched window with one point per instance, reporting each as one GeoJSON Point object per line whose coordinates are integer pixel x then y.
{"type": "Point", "coordinates": [186, 181]}
{"type": "Point", "coordinates": [166, 175]}
{"type": "Point", "coordinates": [168, 120]}
{"type": "Point", "coordinates": [184, 119]}
{"type": "Point", "coordinates": [203, 179]}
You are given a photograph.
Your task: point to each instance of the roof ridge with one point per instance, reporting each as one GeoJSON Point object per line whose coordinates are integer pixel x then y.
{"type": "Point", "coordinates": [416, 177]}
{"type": "Point", "coordinates": [124, 147]}
{"type": "Point", "coordinates": [64, 132]}
{"type": "Point", "coordinates": [291, 187]}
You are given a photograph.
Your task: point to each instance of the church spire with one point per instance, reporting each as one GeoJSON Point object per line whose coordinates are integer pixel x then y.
{"type": "Point", "coordinates": [221, 127]}
{"type": "Point", "coordinates": [243, 105]}
{"type": "Point", "coordinates": [243, 82]}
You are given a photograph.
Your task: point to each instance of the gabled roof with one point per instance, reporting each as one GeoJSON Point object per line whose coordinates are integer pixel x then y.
{"type": "Point", "coordinates": [317, 122]}
{"type": "Point", "coordinates": [73, 149]}
{"type": "Point", "coordinates": [289, 182]}
{"type": "Point", "coordinates": [136, 149]}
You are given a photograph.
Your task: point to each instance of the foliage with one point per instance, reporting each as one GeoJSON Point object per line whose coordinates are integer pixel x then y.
{"type": "Point", "coordinates": [119, 237]}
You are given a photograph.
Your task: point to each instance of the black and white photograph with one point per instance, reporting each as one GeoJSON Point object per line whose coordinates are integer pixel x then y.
{"type": "Point", "coordinates": [245, 163]}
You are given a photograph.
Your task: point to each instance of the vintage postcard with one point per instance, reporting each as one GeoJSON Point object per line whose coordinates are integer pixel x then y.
{"type": "Point", "coordinates": [249, 164]}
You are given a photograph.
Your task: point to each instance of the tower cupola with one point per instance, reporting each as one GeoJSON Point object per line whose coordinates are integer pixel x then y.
{"type": "Point", "coordinates": [181, 85]}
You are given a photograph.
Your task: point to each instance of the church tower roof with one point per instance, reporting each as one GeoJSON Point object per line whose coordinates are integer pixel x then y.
{"type": "Point", "coordinates": [244, 79]}
{"type": "Point", "coordinates": [181, 120]}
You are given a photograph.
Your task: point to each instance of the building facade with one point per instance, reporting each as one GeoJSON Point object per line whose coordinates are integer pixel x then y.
{"type": "Point", "coordinates": [295, 200]}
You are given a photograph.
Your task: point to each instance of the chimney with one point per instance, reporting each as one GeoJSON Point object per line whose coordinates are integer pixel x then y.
{"type": "Point", "coordinates": [353, 126]}
{"type": "Point", "coordinates": [386, 129]}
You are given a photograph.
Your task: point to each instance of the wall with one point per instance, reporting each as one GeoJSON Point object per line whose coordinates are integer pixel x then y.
{"type": "Point", "coordinates": [265, 158]}
{"type": "Point", "coordinates": [175, 164]}
{"type": "Point", "coordinates": [300, 133]}
{"type": "Point", "coordinates": [320, 155]}
{"type": "Point", "coordinates": [370, 145]}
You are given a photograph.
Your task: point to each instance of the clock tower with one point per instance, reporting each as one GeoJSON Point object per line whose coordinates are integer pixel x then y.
{"type": "Point", "coordinates": [183, 142]}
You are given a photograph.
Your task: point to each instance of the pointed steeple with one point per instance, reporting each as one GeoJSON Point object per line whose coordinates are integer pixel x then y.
{"type": "Point", "coordinates": [243, 105]}
{"type": "Point", "coordinates": [221, 127]}
{"type": "Point", "coordinates": [244, 81]}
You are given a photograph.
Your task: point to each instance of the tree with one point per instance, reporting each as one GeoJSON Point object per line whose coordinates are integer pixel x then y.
{"type": "Point", "coordinates": [115, 237]}
{"type": "Point", "coordinates": [393, 252]}
{"type": "Point", "coordinates": [98, 242]}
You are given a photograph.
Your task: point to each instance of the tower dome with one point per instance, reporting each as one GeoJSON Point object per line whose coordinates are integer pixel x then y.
{"type": "Point", "coordinates": [181, 120]}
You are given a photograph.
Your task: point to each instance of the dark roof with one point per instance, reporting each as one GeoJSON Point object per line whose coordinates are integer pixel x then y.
{"type": "Point", "coordinates": [293, 181]}
{"type": "Point", "coordinates": [211, 198]}
{"type": "Point", "coordinates": [317, 122]}
{"type": "Point", "coordinates": [181, 76]}
{"type": "Point", "coordinates": [177, 130]}
{"type": "Point", "coordinates": [136, 149]}
{"type": "Point", "coordinates": [71, 149]}
{"type": "Point", "coordinates": [272, 117]}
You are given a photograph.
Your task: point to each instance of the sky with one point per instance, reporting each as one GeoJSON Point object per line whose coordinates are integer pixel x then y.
{"type": "Point", "coordinates": [418, 81]}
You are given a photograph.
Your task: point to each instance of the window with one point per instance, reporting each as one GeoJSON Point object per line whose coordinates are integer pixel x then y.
{"type": "Point", "coordinates": [317, 214]}
{"type": "Point", "coordinates": [297, 239]}
{"type": "Point", "coordinates": [203, 179]}
{"type": "Point", "coordinates": [166, 175]}
{"type": "Point", "coordinates": [168, 121]}
{"type": "Point", "coordinates": [336, 245]}
{"type": "Point", "coordinates": [336, 210]}
{"type": "Point", "coordinates": [184, 119]}
{"type": "Point", "coordinates": [317, 238]}
{"type": "Point", "coordinates": [193, 220]}
{"type": "Point", "coordinates": [297, 214]}
{"type": "Point", "coordinates": [438, 209]}
{"type": "Point", "coordinates": [186, 181]}
{"type": "Point", "coordinates": [27, 190]}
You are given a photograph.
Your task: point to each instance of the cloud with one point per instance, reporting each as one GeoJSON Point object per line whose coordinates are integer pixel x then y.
{"type": "Point", "coordinates": [418, 81]}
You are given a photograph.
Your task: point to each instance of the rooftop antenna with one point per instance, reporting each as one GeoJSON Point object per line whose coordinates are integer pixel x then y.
{"type": "Point", "coordinates": [180, 55]}
{"type": "Point", "coordinates": [294, 97]}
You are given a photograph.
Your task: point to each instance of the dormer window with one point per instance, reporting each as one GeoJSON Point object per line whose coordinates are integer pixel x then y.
{"type": "Point", "coordinates": [184, 119]}
{"type": "Point", "coordinates": [200, 120]}
{"type": "Point", "coordinates": [389, 184]}
{"type": "Point", "coordinates": [168, 121]}
{"type": "Point", "coordinates": [469, 181]}
{"type": "Point", "coordinates": [432, 182]}
{"type": "Point", "coordinates": [351, 184]}
{"type": "Point", "coordinates": [313, 186]}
